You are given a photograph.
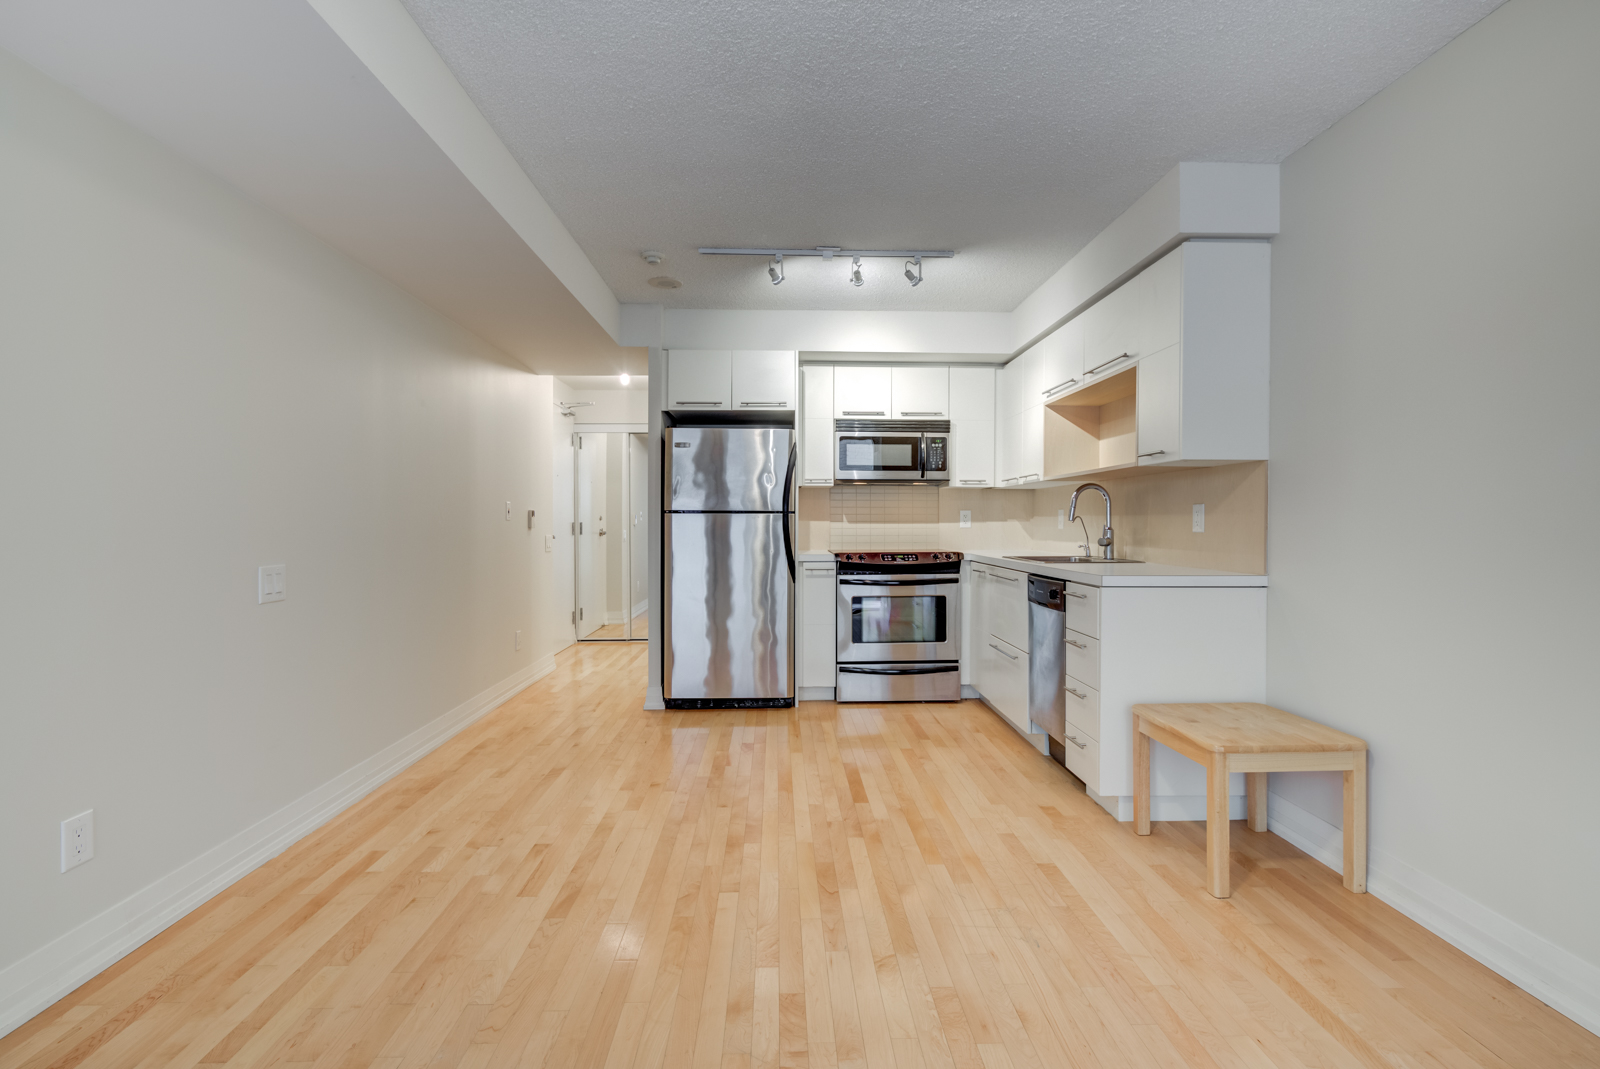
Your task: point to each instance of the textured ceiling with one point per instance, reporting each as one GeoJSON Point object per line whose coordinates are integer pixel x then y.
{"type": "Point", "coordinates": [1012, 132]}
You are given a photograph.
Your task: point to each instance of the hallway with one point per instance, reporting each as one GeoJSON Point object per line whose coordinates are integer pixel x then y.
{"type": "Point", "coordinates": [572, 882]}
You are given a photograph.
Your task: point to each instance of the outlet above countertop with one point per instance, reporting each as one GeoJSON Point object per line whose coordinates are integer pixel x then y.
{"type": "Point", "coordinates": [1163, 575]}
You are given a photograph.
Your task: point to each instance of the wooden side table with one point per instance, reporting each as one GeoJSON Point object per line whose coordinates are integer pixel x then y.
{"type": "Point", "coordinates": [1254, 739]}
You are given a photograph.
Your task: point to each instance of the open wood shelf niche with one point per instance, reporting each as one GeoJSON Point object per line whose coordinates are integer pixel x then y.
{"type": "Point", "coordinates": [1094, 430]}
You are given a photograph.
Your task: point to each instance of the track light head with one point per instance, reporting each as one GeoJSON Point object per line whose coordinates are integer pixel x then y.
{"type": "Point", "coordinates": [914, 277]}
{"type": "Point", "coordinates": [775, 269]}
{"type": "Point", "coordinates": [855, 272]}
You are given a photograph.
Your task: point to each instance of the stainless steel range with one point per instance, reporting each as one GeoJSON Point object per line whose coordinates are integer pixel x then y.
{"type": "Point", "coordinates": [899, 627]}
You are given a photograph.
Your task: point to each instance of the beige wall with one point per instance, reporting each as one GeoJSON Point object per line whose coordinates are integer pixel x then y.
{"type": "Point", "coordinates": [1152, 516]}
{"type": "Point", "coordinates": [1436, 458]}
{"type": "Point", "coordinates": [191, 387]}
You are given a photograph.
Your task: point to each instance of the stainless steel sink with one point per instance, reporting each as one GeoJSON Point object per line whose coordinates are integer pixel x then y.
{"type": "Point", "coordinates": [1079, 560]}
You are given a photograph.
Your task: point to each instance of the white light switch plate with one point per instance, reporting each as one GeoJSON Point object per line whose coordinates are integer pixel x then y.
{"type": "Point", "coordinates": [1061, 519]}
{"type": "Point", "coordinates": [77, 840]}
{"type": "Point", "coordinates": [1199, 519]}
{"type": "Point", "coordinates": [270, 583]}
{"type": "Point", "coordinates": [549, 543]}
{"type": "Point", "coordinates": [966, 517]}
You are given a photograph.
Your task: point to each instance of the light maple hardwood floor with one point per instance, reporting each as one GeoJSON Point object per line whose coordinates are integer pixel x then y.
{"type": "Point", "coordinates": [572, 882]}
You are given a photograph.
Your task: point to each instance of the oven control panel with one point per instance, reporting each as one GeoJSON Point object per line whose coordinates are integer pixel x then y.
{"type": "Point", "coordinates": [939, 557]}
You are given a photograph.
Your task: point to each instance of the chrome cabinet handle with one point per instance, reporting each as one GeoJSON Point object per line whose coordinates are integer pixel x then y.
{"type": "Point", "coordinates": [1025, 478]}
{"type": "Point", "coordinates": [1009, 578]}
{"type": "Point", "coordinates": [878, 413]}
{"type": "Point", "coordinates": [969, 482]}
{"type": "Point", "coordinates": [1113, 360]}
{"type": "Point", "coordinates": [763, 404]}
{"type": "Point", "coordinates": [1080, 645]}
{"type": "Point", "coordinates": [1058, 386]}
{"type": "Point", "coordinates": [1074, 740]}
{"type": "Point", "coordinates": [686, 404]}
{"type": "Point", "coordinates": [1000, 651]}
{"type": "Point", "coordinates": [1069, 690]}
{"type": "Point", "coordinates": [1070, 594]}
{"type": "Point", "coordinates": [1157, 453]}
{"type": "Point", "coordinates": [904, 414]}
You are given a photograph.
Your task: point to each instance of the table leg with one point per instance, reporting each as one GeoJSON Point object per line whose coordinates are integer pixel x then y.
{"type": "Point", "coordinates": [1217, 826]}
{"type": "Point", "coordinates": [1141, 778]}
{"type": "Point", "coordinates": [1355, 825]}
{"type": "Point", "coordinates": [1255, 794]}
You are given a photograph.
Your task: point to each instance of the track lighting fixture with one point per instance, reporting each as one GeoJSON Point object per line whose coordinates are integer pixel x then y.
{"type": "Point", "coordinates": [775, 269]}
{"type": "Point", "coordinates": [912, 257]}
{"type": "Point", "coordinates": [915, 278]}
{"type": "Point", "coordinates": [855, 272]}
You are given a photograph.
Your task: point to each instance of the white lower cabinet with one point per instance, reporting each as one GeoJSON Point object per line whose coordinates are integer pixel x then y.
{"type": "Point", "coordinates": [1125, 646]}
{"type": "Point", "coordinates": [816, 616]}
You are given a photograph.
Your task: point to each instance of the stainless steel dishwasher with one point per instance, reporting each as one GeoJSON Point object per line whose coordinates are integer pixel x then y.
{"type": "Point", "coordinates": [1047, 666]}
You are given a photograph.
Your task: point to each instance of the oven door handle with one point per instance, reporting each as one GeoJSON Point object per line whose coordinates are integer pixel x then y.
{"type": "Point", "coordinates": [917, 670]}
{"type": "Point", "coordinates": [898, 582]}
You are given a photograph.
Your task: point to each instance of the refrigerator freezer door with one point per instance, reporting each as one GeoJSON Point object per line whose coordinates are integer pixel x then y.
{"type": "Point", "coordinates": [726, 469]}
{"type": "Point", "coordinates": [729, 617]}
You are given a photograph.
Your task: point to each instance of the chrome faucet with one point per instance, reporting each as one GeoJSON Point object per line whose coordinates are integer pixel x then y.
{"type": "Point", "coordinates": [1104, 540]}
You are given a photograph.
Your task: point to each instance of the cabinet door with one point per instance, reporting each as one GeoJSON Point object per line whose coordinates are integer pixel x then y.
{"type": "Point", "coordinates": [816, 452]}
{"type": "Point", "coordinates": [699, 380]}
{"type": "Point", "coordinates": [763, 380]}
{"type": "Point", "coordinates": [1008, 606]}
{"type": "Point", "coordinates": [1061, 360]}
{"type": "Point", "coordinates": [974, 449]}
{"type": "Point", "coordinates": [972, 393]}
{"type": "Point", "coordinates": [1030, 444]}
{"type": "Point", "coordinates": [818, 627]}
{"type": "Point", "coordinates": [1162, 313]}
{"type": "Point", "coordinates": [1160, 403]}
{"type": "Point", "coordinates": [920, 392]}
{"type": "Point", "coordinates": [816, 400]}
{"type": "Point", "coordinates": [1112, 330]}
{"type": "Point", "coordinates": [1010, 685]}
{"type": "Point", "coordinates": [861, 392]}
{"type": "Point", "coordinates": [975, 594]}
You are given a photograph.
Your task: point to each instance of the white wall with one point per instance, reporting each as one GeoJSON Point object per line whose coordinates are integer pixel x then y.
{"type": "Point", "coordinates": [1435, 474]}
{"type": "Point", "coordinates": [192, 387]}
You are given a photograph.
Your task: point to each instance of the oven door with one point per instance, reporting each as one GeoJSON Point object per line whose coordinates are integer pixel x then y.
{"type": "Point", "coordinates": [899, 618]}
{"type": "Point", "coordinates": [861, 456]}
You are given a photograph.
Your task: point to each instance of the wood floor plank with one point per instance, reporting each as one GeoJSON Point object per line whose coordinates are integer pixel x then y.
{"type": "Point", "coordinates": [572, 881]}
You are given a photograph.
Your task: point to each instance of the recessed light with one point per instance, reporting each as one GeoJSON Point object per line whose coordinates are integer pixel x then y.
{"type": "Point", "coordinates": [665, 282]}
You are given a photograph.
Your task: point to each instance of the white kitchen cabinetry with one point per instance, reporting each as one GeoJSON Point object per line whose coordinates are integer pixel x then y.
{"type": "Point", "coordinates": [763, 380]}
{"type": "Point", "coordinates": [1020, 417]}
{"type": "Point", "coordinates": [999, 643]}
{"type": "Point", "coordinates": [699, 380]}
{"type": "Point", "coordinates": [816, 619]}
{"type": "Point", "coordinates": [919, 392]}
{"type": "Point", "coordinates": [1061, 360]}
{"type": "Point", "coordinates": [1130, 645]}
{"type": "Point", "coordinates": [972, 412]}
{"type": "Point", "coordinates": [724, 380]}
{"type": "Point", "coordinates": [816, 425]}
{"type": "Point", "coordinates": [861, 392]}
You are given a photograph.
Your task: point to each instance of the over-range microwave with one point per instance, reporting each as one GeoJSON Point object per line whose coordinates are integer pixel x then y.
{"type": "Point", "coordinates": [879, 450]}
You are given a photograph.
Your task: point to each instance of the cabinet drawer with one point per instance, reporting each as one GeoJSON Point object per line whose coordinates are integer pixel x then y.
{"type": "Point", "coordinates": [1083, 658]}
{"type": "Point", "coordinates": [1083, 760]}
{"type": "Point", "coordinates": [1083, 609]}
{"type": "Point", "coordinates": [1008, 606]}
{"type": "Point", "coordinates": [1083, 709]}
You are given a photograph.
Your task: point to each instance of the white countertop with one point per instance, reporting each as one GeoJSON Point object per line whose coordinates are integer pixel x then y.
{"type": "Point", "coordinates": [1101, 574]}
{"type": "Point", "coordinates": [1122, 574]}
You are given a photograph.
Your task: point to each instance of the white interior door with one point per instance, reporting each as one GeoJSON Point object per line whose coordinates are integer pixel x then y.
{"type": "Point", "coordinates": [563, 530]}
{"type": "Point", "coordinates": [589, 509]}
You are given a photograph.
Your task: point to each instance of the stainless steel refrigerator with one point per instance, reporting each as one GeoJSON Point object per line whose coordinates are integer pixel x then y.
{"type": "Point", "coordinates": [728, 552]}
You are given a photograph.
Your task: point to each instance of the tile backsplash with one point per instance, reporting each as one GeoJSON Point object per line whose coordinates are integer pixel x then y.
{"type": "Point", "coordinates": [883, 518]}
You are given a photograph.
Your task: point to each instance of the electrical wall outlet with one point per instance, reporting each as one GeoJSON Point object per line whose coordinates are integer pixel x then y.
{"type": "Point", "coordinates": [966, 517]}
{"type": "Point", "coordinates": [516, 640]}
{"type": "Point", "coordinates": [1199, 519]}
{"type": "Point", "coordinates": [270, 583]}
{"type": "Point", "coordinates": [1061, 519]}
{"type": "Point", "coordinates": [77, 840]}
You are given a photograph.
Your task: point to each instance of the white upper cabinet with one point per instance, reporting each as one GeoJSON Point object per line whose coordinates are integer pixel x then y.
{"type": "Point", "coordinates": [974, 453]}
{"type": "Point", "coordinates": [972, 393]}
{"type": "Point", "coordinates": [763, 380]}
{"type": "Point", "coordinates": [861, 392]}
{"type": "Point", "coordinates": [1113, 330]}
{"type": "Point", "coordinates": [817, 391]}
{"type": "Point", "coordinates": [919, 392]}
{"type": "Point", "coordinates": [700, 380]}
{"type": "Point", "coordinates": [1061, 360]}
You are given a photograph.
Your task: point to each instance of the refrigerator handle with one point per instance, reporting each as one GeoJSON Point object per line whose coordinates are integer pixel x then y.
{"type": "Point", "coordinates": [788, 518]}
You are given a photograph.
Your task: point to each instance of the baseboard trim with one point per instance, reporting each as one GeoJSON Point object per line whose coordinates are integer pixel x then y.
{"type": "Point", "coordinates": [1557, 977]}
{"type": "Point", "coordinates": [34, 983]}
{"type": "Point", "coordinates": [815, 694]}
{"type": "Point", "coordinates": [653, 701]}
